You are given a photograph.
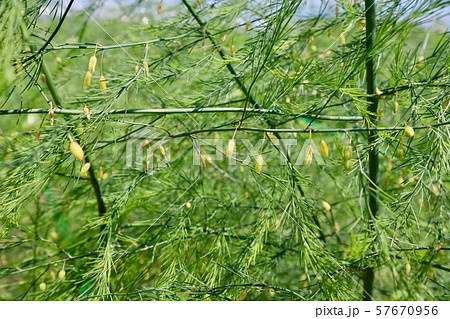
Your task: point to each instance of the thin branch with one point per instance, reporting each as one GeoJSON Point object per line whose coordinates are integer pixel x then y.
{"type": "Point", "coordinates": [53, 33]}
{"type": "Point", "coordinates": [312, 130]}
{"type": "Point", "coordinates": [181, 111]}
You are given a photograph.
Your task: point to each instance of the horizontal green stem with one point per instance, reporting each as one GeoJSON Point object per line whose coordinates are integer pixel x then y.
{"type": "Point", "coordinates": [181, 111]}
{"type": "Point", "coordinates": [307, 130]}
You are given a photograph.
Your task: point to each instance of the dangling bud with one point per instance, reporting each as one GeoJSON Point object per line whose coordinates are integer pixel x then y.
{"type": "Point", "coordinates": [323, 148]}
{"type": "Point", "coordinates": [399, 153]}
{"type": "Point", "coordinates": [146, 68]}
{"type": "Point", "coordinates": [336, 228]}
{"type": "Point", "coordinates": [102, 83]}
{"type": "Point", "coordinates": [179, 44]}
{"type": "Point", "coordinates": [342, 38]}
{"type": "Point", "coordinates": [337, 11]}
{"type": "Point", "coordinates": [326, 206]}
{"type": "Point", "coordinates": [200, 4]}
{"type": "Point", "coordinates": [348, 165]}
{"type": "Point", "coordinates": [308, 155]}
{"type": "Point", "coordinates": [62, 274]}
{"type": "Point", "coordinates": [273, 138]}
{"type": "Point", "coordinates": [224, 37]}
{"type": "Point", "coordinates": [230, 148]}
{"type": "Point", "coordinates": [330, 31]}
{"type": "Point", "coordinates": [259, 163]}
{"type": "Point", "coordinates": [247, 25]}
{"type": "Point", "coordinates": [87, 80]}
{"type": "Point", "coordinates": [36, 137]}
{"type": "Point", "coordinates": [409, 131]}
{"type": "Point", "coordinates": [203, 160]}
{"type": "Point", "coordinates": [233, 50]}
{"type": "Point", "coordinates": [87, 112]}
{"type": "Point", "coordinates": [395, 107]}
{"type": "Point", "coordinates": [76, 149]}
{"type": "Point", "coordinates": [348, 152]}
{"type": "Point", "coordinates": [99, 172]}
{"type": "Point", "coordinates": [42, 286]}
{"type": "Point", "coordinates": [84, 170]}
{"type": "Point", "coordinates": [159, 7]}
{"type": "Point", "coordinates": [188, 205]}
{"type": "Point", "coordinates": [92, 64]}
{"type": "Point", "coordinates": [136, 69]}
{"type": "Point", "coordinates": [162, 150]}
{"type": "Point", "coordinates": [51, 114]}
{"type": "Point", "coordinates": [435, 190]}
{"type": "Point", "coordinates": [58, 59]}
{"type": "Point", "coordinates": [145, 144]}
{"type": "Point", "coordinates": [407, 269]}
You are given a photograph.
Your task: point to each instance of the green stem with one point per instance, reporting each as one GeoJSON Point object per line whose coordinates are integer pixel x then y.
{"type": "Point", "coordinates": [51, 85]}
{"type": "Point", "coordinates": [368, 272]}
{"type": "Point", "coordinates": [167, 111]}
{"type": "Point", "coordinates": [57, 98]}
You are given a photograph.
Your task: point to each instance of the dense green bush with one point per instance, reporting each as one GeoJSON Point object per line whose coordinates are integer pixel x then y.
{"type": "Point", "coordinates": [182, 224]}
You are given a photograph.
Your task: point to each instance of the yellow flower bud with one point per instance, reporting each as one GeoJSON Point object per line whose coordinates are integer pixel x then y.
{"type": "Point", "coordinates": [326, 205]}
{"type": "Point", "coordinates": [162, 150]}
{"type": "Point", "coordinates": [102, 83]}
{"type": "Point", "coordinates": [395, 107]}
{"type": "Point", "coordinates": [409, 131]}
{"type": "Point", "coordinates": [200, 3]}
{"type": "Point", "coordinates": [136, 69]}
{"type": "Point", "coordinates": [259, 163]}
{"type": "Point", "coordinates": [342, 38]}
{"type": "Point", "coordinates": [58, 59]}
{"type": "Point", "coordinates": [233, 50]}
{"type": "Point", "coordinates": [273, 138]}
{"type": "Point", "coordinates": [42, 286]}
{"type": "Point", "coordinates": [99, 172]}
{"type": "Point", "coordinates": [308, 155]}
{"type": "Point", "coordinates": [188, 205]}
{"type": "Point", "coordinates": [146, 68]}
{"type": "Point", "coordinates": [323, 148]}
{"type": "Point", "coordinates": [230, 148]}
{"type": "Point", "coordinates": [348, 152]}
{"type": "Point", "coordinates": [203, 160]}
{"type": "Point", "coordinates": [348, 165]}
{"type": "Point", "coordinates": [247, 25]}
{"type": "Point", "coordinates": [92, 64]}
{"type": "Point", "coordinates": [62, 274]}
{"type": "Point", "coordinates": [399, 153]}
{"type": "Point", "coordinates": [76, 150]}
{"type": "Point", "coordinates": [87, 80]}
{"type": "Point", "coordinates": [84, 170]}
{"type": "Point", "coordinates": [408, 269]}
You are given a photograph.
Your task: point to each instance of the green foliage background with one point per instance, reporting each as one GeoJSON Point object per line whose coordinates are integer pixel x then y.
{"type": "Point", "coordinates": [246, 236]}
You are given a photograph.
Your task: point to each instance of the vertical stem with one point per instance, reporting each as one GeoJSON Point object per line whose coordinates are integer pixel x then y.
{"type": "Point", "coordinates": [94, 182]}
{"type": "Point", "coordinates": [51, 85]}
{"type": "Point", "coordinates": [368, 273]}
